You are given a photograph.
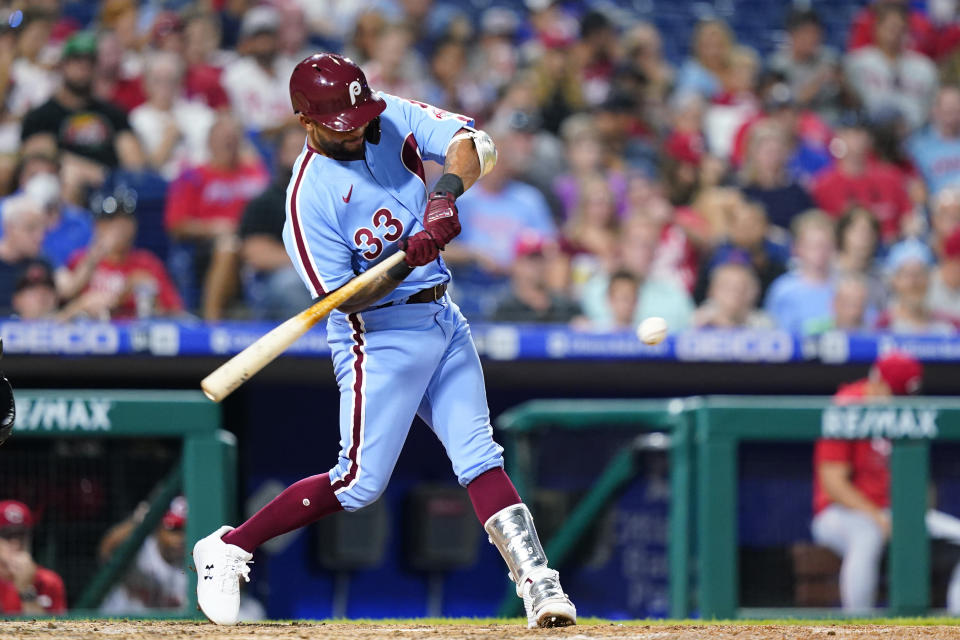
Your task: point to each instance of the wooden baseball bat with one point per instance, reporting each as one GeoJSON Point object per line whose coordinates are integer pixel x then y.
{"type": "Point", "coordinates": [243, 366]}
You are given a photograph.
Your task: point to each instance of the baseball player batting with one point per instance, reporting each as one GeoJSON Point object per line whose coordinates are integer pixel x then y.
{"type": "Point", "coordinates": [400, 346]}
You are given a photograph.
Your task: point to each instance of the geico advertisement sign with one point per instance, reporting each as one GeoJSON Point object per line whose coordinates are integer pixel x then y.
{"type": "Point", "coordinates": [73, 339]}
{"type": "Point", "coordinates": [736, 346]}
{"type": "Point", "coordinates": [854, 423]}
{"type": "Point", "coordinates": [63, 414]}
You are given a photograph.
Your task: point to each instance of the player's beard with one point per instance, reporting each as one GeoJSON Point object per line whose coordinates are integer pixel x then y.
{"type": "Point", "coordinates": [340, 151]}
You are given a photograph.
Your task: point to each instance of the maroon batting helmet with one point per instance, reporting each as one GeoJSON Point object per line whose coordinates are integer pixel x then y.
{"type": "Point", "coordinates": [333, 91]}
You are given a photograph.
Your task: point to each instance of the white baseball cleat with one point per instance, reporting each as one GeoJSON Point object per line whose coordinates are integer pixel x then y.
{"type": "Point", "coordinates": [219, 569]}
{"type": "Point", "coordinates": [545, 602]}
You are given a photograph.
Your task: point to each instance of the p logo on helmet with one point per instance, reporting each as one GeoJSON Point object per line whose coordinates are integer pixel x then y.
{"type": "Point", "coordinates": [354, 91]}
{"type": "Point", "coordinates": [332, 91]}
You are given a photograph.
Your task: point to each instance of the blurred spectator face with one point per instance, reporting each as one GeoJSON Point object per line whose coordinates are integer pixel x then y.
{"type": "Point", "coordinates": [851, 143]}
{"type": "Point", "coordinates": [584, 154]}
{"type": "Point", "coordinates": [712, 43]}
{"type": "Point", "coordinates": [688, 113]}
{"type": "Point", "coordinates": [742, 74]}
{"type": "Point", "coordinates": [416, 10]}
{"type": "Point", "coordinates": [946, 212]}
{"type": "Point", "coordinates": [171, 544]}
{"type": "Point", "coordinates": [638, 245]}
{"type": "Point", "coordinates": [597, 206]}
{"type": "Point", "coordinates": [946, 111]}
{"type": "Point", "coordinates": [529, 268]}
{"type": "Point", "coordinates": [224, 141]}
{"type": "Point", "coordinates": [35, 35]}
{"type": "Point", "coordinates": [201, 39]}
{"type": "Point", "coordinates": [119, 230]}
{"type": "Point", "coordinates": [291, 144]}
{"type": "Point", "coordinates": [814, 247]}
{"type": "Point", "coordinates": [805, 40]}
{"type": "Point", "coordinates": [370, 26]}
{"type": "Point", "coordinates": [293, 33]}
{"type": "Point", "coordinates": [746, 225]}
{"type": "Point", "coordinates": [78, 74]}
{"type": "Point", "coordinates": [391, 51]}
{"type": "Point", "coordinates": [34, 165]}
{"type": "Point", "coordinates": [162, 80]}
{"type": "Point", "coordinates": [950, 271]}
{"type": "Point", "coordinates": [109, 55]}
{"type": "Point", "coordinates": [890, 30]}
{"type": "Point", "coordinates": [850, 304]}
{"type": "Point", "coordinates": [644, 44]}
{"type": "Point", "coordinates": [263, 46]}
{"type": "Point", "coordinates": [167, 33]}
{"type": "Point", "coordinates": [448, 62]}
{"type": "Point", "coordinates": [860, 236]}
{"type": "Point", "coordinates": [909, 283]}
{"type": "Point", "coordinates": [35, 296]}
{"type": "Point", "coordinates": [120, 16]}
{"type": "Point", "coordinates": [733, 290]}
{"type": "Point", "coordinates": [24, 225]}
{"type": "Point", "coordinates": [622, 297]}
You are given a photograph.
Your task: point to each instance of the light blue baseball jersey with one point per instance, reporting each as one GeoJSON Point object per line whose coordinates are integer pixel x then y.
{"type": "Point", "coordinates": [343, 216]}
{"type": "Point", "coordinates": [396, 362]}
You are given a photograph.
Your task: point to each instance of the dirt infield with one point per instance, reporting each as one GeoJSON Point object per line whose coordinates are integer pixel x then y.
{"type": "Point", "coordinates": [170, 630]}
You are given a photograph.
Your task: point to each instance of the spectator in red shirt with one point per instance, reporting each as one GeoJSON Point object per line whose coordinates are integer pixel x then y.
{"type": "Point", "coordinates": [114, 280]}
{"type": "Point", "coordinates": [204, 207]}
{"type": "Point", "coordinates": [851, 491]}
{"type": "Point", "coordinates": [856, 179]}
{"type": "Point", "coordinates": [201, 39]}
{"type": "Point", "coordinates": [25, 587]}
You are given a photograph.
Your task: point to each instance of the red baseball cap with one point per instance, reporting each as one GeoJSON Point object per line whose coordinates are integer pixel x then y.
{"type": "Point", "coordinates": [951, 246]}
{"type": "Point", "coordinates": [15, 514]}
{"type": "Point", "coordinates": [176, 515]}
{"type": "Point", "coordinates": [902, 372]}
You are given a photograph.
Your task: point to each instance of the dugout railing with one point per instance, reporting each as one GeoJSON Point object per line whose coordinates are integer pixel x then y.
{"type": "Point", "coordinates": [705, 433]}
{"type": "Point", "coordinates": [205, 473]}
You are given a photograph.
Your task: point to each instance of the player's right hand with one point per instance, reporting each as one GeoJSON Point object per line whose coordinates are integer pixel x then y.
{"type": "Point", "coordinates": [421, 249]}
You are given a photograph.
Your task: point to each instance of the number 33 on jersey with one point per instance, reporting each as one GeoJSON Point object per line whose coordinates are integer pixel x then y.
{"type": "Point", "coordinates": [343, 215]}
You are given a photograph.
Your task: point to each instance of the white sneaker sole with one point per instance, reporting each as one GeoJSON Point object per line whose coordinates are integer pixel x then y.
{"type": "Point", "coordinates": [557, 614]}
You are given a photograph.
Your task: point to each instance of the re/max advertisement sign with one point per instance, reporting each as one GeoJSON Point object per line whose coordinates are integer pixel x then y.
{"type": "Point", "coordinates": [854, 423]}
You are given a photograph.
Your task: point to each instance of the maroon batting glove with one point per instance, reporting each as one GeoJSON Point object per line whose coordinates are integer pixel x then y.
{"type": "Point", "coordinates": [421, 249]}
{"type": "Point", "coordinates": [441, 218]}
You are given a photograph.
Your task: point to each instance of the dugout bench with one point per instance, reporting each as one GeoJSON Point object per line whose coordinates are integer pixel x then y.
{"type": "Point", "coordinates": [205, 474]}
{"type": "Point", "coordinates": [704, 436]}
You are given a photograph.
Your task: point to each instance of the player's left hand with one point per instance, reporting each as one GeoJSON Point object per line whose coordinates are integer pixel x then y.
{"type": "Point", "coordinates": [421, 249]}
{"type": "Point", "coordinates": [441, 219]}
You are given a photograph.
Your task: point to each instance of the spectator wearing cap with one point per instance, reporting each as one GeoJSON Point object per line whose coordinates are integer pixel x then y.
{"type": "Point", "coordinates": [745, 238]}
{"type": "Point", "coordinates": [156, 579]}
{"type": "Point", "coordinates": [800, 299]}
{"type": "Point", "coordinates": [657, 295]}
{"type": "Point", "coordinates": [111, 279]}
{"type": "Point", "coordinates": [530, 299]}
{"type": "Point", "coordinates": [908, 265]}
{"type": "Point", "coordinates": [173, 129]}
{"type": "Point", "coordinates": [35, 294]}
{"type": "Point", "coordinates": [851, 491]}
{"type": "Point", "coordinates": [92, 134]}
{"type": "Point", "coordinates": [702, 73]}
{"type": "Point", "coordinates": [203, 209]}
{"type": "Point", "coordinates": [887, 74]}
{"type": "Point", "coordinates": [857, 180]}
{"type": "Point", "coordinates": [25, 587]}
{"type": "Point", "coordinates": [24, 224]}
{"type": "Point", "coordinates": [732, 300]}
{"type": "Point", "coordinates": [809, 67]}
{"type": "Point", "coordinates": [765, 179]}
{"type": "Point", "coordinates": [271, 284]}
{"type": "Point", "coordinates": [935, 151]}
{"type": "Point", "coordinates": [943, 297]}
{"type": "Point", "coordinates": [257, 83]}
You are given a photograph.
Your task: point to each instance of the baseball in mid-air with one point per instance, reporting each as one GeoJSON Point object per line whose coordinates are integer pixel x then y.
{"type": "Point", "coordinates": [652, 330]}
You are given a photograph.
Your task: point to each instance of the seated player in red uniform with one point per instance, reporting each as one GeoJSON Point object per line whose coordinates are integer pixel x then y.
{"type": "Point", "coordinates": [25, 587]}
{"type": "Point", "coordinates": [851, 491]}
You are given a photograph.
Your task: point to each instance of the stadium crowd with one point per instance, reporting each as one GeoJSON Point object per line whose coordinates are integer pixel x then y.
{"type": "Point", "coordinates": [145, 153]}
